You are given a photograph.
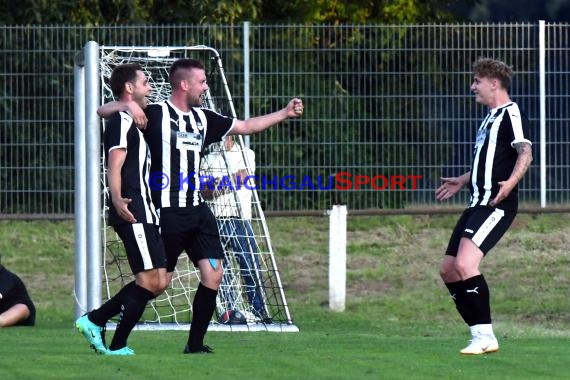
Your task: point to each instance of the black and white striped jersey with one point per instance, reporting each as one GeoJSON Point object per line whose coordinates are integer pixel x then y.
{"type": "Point", "coordinates": [121, 132]}
{"type": "Point", "coordinates": [177, 141]}
{"type": "Point", "coordinates": [494, 155]}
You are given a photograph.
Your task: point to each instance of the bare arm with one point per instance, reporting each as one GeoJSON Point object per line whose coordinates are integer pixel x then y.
{"type": "Point", "coordinates": [210, 193]}
{"type": "Point", "coordinates": [116, 161]}
{"type": "Point", "coordinates": [260, 123]}
{"type": "Point", "coordinates": [107, 109]}
{"type": "Point", "coordinates": [139, 117]}
{"type": "Point", "coordinates": [522, 164]}
{"type": "Point", "coordinates": [524, 160]}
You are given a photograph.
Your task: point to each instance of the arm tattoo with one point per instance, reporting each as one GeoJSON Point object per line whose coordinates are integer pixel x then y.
{"type": "Point", "coordinates": [523, 161]}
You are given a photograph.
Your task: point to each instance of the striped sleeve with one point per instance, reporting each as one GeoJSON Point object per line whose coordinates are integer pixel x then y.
{"type": "Point", "coordinates": [116, 131]}
{"type": "Point", "coordinates": [520, 125]}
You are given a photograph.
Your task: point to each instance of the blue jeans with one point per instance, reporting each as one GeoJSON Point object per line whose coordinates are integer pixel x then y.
{"type": "Point", "coordinates": [239, 234]}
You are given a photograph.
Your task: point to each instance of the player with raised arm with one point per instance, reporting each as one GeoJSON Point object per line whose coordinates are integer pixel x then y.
{"type": "Point", "coordinates": [178, 131]}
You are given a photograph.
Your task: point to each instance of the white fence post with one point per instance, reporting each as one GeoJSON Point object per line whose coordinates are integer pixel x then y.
{"type": "Point", "coordinates": [542, 108]}
{"type": "Point", "coordinates": [337, 257]}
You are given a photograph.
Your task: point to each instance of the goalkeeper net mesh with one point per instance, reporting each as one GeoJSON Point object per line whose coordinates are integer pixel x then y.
{"type": "Point", "coordinates": [251, 282]}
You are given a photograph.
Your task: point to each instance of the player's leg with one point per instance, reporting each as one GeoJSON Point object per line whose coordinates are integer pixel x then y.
{"type": "Point", "coordinates": [110, 308]}
{"type": "Point", "coordinates": [132, 308]}
{"type": "Point", "coordinates": [484, 229]}
{"type": "Point", "coordinates": [476, 297]}
{"type": "Point", "coordinates": [461, 261]}
{"type": "Point", "coordinates": [204, 305]}
{"type": "Point", "coordinates": [205, 250]}
{"type": "Point", "coordinates": [92, 325]}
{"type": "Point", "coordinates": [448, 272]}
{"type": "Point", "coordinates": [154, 280]}
{"type": "Point", "coordinates": [145, 252]}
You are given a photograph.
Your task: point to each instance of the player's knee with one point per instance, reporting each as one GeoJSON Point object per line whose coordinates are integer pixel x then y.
{"type": "Point", "coordinates": [216, 277]}
{"type": "Point", "coordinates": [161, 286]}
{"type": "Point", "coordinates": [213, 279]}
{"type": "Point", "coordinates": [154, 281]}
{"type": "Point", "coordinates": [448, 273]}
{"type": "Point", "coordinates": [464, 269]}
{"type": "Point", "coordinates": [148, 285]}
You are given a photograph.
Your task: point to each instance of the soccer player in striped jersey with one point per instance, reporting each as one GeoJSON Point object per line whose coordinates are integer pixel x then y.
{"type": "Point", "coordinates": [178, 130]}
{"type": "Point", "coordinates": [501, 156]}
{"type": "Point", "coordinates": [132, 215]}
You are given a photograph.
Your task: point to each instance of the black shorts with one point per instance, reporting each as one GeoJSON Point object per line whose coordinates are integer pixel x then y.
{"type": "Point", "coordinates": [483, 225]}
{"type": "Point", "coordinates": [190, 229]}
{"type": "Point", "coordinates": [143, 246]}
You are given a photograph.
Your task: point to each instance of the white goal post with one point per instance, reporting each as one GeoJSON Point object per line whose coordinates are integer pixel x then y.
{"type": "Point", "coordinates": [101, 267]}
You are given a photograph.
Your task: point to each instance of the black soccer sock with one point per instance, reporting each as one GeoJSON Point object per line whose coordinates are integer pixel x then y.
{"type": "Point", "coordinates": [132, 308]}
{"type": "Point", "coordinates": [457, 292]}
{"type": "Point", "coordinates": [202, 310]}
{"type": "Point", "coordinates": [110, 308]}
{"type": "Point", "coordinates": [478, 298]}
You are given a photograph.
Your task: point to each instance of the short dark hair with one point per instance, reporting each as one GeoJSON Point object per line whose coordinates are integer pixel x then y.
{"type": "Point", "coordinates": [178, 70]}
{"type": "Point", "coordinates": [122, 74]}
{"type": "Point", "coordinates": [493, 68]}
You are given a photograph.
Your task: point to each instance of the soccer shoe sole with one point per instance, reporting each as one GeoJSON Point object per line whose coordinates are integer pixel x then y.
{"type": "Point", "coordinates": [203, 350]}
{"type": "Point", "coordinates": [481, 351]}
{"type": "Point", "coordinates": [125, 351]}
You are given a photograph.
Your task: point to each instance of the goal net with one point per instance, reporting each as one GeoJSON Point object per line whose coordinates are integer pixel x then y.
{"type": "Point", "coordinates": [251, 282]}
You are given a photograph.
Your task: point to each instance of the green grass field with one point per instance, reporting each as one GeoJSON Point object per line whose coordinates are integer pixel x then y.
{"type": "Point", "coordinates": [399, 322]}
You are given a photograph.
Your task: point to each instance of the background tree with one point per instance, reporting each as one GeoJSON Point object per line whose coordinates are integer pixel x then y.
{"type": "Point", "coordinates": [511, 10]}
{"type": "Point", "coordinates": [100, 12]}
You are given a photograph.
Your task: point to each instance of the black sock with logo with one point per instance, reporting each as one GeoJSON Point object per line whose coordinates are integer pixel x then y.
{"type": "Point", "coordinates": [457, 292]}
{"type": "Point", "coordinates": [110, 308]}
{"type": "Point", "coordinates": [202, 311]}
{"type": "Point", "coordinates": [132, 308]}
{"type": "Point", "coordinates": [477, 297]}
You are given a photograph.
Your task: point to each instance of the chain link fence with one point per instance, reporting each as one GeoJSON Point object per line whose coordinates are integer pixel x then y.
{"type": "Point", "coordinates": [385, 102]}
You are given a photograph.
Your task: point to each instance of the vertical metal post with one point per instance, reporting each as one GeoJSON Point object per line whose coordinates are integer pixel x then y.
{"type": "Point", "coordinates": [246, 94]}
{"type": "Point", "coordinates": [93, 173]}
{"type": "Point", "coordinates": [337, 257]}
{"type": "Point", "coordinates": [80, 191]}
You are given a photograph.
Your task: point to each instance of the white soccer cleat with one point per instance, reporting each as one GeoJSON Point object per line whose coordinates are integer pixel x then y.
{"type": "Point", "coordinates": [481, 344]}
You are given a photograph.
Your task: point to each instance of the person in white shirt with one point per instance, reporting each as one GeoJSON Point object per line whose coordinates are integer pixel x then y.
{"type": "Point", "coordinates": [232, 206]}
